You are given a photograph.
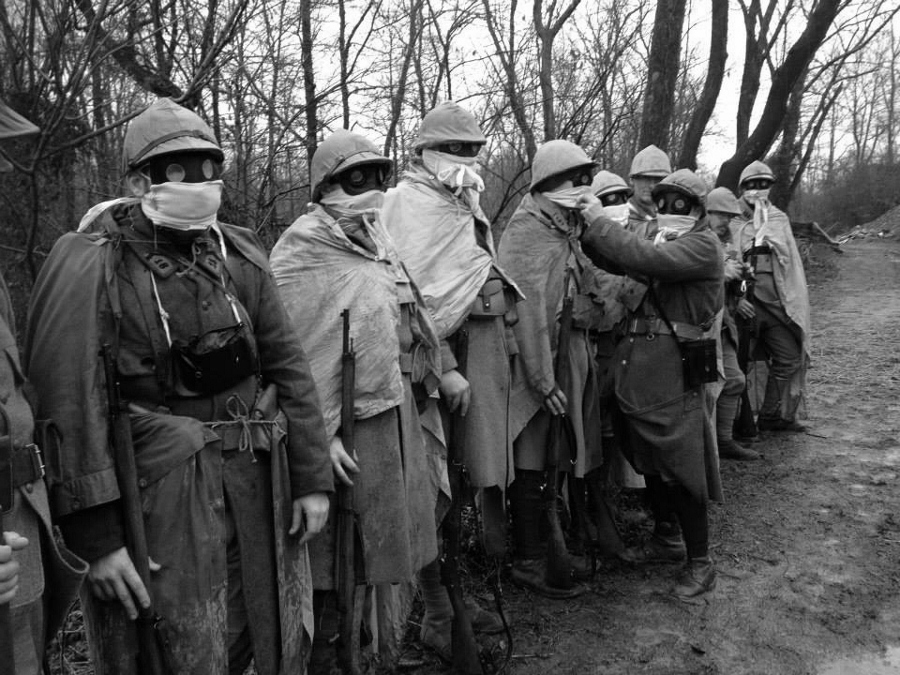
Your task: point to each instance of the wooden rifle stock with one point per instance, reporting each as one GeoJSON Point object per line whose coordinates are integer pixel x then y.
{"type": "Point", "coordinates": [559, 563]}
{"type": "Point", "coordinates": [466, 659]}
{"type": "Point", "coordinates": [152, 659]}
{"type": "Point", "coordinates": [346, 554]}
{"type": "Point", "coordinates": [6, 503]}
{"type": "Point", "coordinates": [744, 422]}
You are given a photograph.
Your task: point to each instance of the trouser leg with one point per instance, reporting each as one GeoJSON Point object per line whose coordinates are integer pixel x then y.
{"type": "Point", "coordinates": [526, 511]}
{"type": "Point", "coordinates": [693, 517]}
{"type": "Point", "coordinates": [729, 399]}
{"type": "Point", "coordinates": [782, 344]}
{"type": "Point", "coordinates": [666, 523]}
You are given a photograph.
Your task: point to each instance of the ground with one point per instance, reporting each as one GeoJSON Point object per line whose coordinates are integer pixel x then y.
{"type": "Point", "coordinates": [807, 542]}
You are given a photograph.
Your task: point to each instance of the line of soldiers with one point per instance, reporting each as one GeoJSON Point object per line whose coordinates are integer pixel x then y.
{"type": "Point", "coordinates": [587, 349]}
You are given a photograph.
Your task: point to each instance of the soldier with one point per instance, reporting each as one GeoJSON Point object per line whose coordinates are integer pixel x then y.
{"type": "Point", "coordinates": [648, 167]}
{"type": "Point", "coordinates": [444, 238]}
{"type": "Point", "coordinates": [204, 356]}
{"type": "Point", "coordinates": [666, 362]}
{"type": "Point", "coordinates": [780, 304]}
{"type": "Point", "coordinates": [339, 257]}
{"type": "Point", "coordinates": [722, 206]}
{"type": "Point", "coordinates": [540, 248]}
{"type": "Point", "coordinates": [39, 577]}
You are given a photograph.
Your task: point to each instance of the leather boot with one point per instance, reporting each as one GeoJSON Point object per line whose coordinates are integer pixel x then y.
{"type": "Point", "coordinates": [699, 577]}
{"type": "Point", "coordinates": [532, 574]}
{"type": "Point", "coordinates": [438, 617]}
{"type": "Point", "coordinates": [729, 449]}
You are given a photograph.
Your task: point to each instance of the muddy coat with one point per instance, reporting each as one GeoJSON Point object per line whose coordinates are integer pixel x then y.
{"type": "Point", "coordinates": [449, 252]}
{"type": "Point", "coordinates": [668, 431]}
{"type": "Point", "coordinates": [320, 272]}
{"type": "Point", "coordinates": [50, 574]}
{"type": "Point", "coordinates": [190, 496]}
{"type": "Point", "coordinates": [539, 247]}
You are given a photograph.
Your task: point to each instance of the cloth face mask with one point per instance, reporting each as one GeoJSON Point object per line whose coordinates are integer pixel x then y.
{"type": "Point", "coordinates": [672, 226]}
{"type": "Point", "coordinates": [566, 197]}
{"type": "Point", "coordinates": [618, 213]}
{"type": "Point", "coordinates": [187, 207]}
{"type": "Point", "coordinates": [454, 171]}
{"type": "Point", "coordinates": [352, 206]}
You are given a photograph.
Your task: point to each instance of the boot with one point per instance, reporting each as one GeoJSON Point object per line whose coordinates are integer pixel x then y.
{"type": "Point", "coordinates": [729, 449]}
{"type": "Point", "coordinates": [699, 577]}
{"type": "Point", "coordinates": [483, 620]}
{"type": "Point", "coordinates": [532, 574]}
{"type": "Point", "coordinates": [779, 408]}
{"type": "Point", "coordinates": [665, 545]}
{"type": "Point", "coordinates": [779, 424]}
{"type": "Point", "coordinates": [437, 620]}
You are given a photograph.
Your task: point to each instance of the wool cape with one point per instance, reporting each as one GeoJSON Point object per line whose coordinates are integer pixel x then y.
{"type": "Point", "coordinates": [435, 234]}
{"type": "Point", "coordinates": [667, 430]}
{"type": "Point", "coordinates": [320, 273]}
{"type": "Point", "coordinates": [539, 247]}
{"type": "Point", "coordinates": [75, 310]}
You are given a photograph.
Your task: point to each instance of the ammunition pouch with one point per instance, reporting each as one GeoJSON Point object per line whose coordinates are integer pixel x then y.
{"type": "Point", "coordinates": [215, 361]}
{"type": "Point", "coordinates": [698, 359]}
{"type": "Point", "coordinates": [495, 299]}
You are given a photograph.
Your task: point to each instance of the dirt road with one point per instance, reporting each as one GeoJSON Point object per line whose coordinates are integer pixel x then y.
{"type": "Point", "coordinates": [807, 543]}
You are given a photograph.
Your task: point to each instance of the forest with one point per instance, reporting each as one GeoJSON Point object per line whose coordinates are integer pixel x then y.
{"type": "Point", "coordinates": [813, 91]}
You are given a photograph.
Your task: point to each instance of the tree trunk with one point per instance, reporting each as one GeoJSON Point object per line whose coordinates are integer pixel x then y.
{"type": "Point", "coordinates": [715, 73]}
{"type": "Point", "coordinates": [783, 81]}
{"type": "Point", "coordinates": [665, 54]}
{"type": "Point", "coordinates": [309, 85]}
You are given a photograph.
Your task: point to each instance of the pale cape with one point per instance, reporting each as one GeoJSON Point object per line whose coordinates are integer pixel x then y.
{"type": "Point", "coordinates": [317, 270]}
{"type": "Point", "coordinates": [435, 237]}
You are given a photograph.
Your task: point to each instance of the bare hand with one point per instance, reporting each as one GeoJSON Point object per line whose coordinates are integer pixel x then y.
{"type": "Point", "coordinates": [555, 402]}
{"type": "Point", "coordinates": [9, 567]}
{"type": "Point", "coordinates": [745, 309]}
{"type": "Point", "coordinates": [314, 509]}
{"type": "Point", "coordinates": [114, 577]}
{"type": "Point", "coordinates": [455, 390]}
{"type": "Point", "coordinates": [733, 269]}
{"type": "Point", "coordinates": [342, 462]}
{"type": "Point", "coordinates": [587, 200]}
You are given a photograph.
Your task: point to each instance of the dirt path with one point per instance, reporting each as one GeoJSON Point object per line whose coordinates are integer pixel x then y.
{"type": "Point", "coordinates": [807, 544]}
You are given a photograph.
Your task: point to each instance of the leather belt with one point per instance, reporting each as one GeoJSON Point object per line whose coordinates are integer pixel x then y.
{"type": "Point", "coordinates": [656, 326]}
{"type": "Point", "coordinates": [27, 465]}
{"type": "Point", "coordinates": [406, 362]}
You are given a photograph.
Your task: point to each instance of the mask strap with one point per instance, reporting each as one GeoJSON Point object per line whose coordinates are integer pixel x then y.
{"type": "Point", "coordinates": [163, 314]}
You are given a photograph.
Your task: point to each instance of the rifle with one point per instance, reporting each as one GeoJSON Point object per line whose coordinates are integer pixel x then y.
{"type": "Point", "coordinates": [346, 556]}
{"type": "Point", "coordinates": [152, 656]}
{"type": "Point", "coordinates": [744, 422]}
{"type": "Point", "coordinates": [559, 564]}
{"type": "Point", "coordinates": [466, 660]}
{"type": "Point", "coordinates": [6, 503]}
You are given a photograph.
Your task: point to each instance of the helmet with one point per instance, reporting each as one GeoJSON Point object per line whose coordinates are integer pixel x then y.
{"type": "Point", "coordinates": [12, 125]}
{"type": "Point", "coordinates": [164, 127]}
{"type": "Point", "coordinates": [448, 121]}
{"type": "Point", "coordinates": [651, 162]}
{"type": "Point", "coordinates": [337, 153]}
{"type": "Point", "coordinates": [756, 170]}
{"type": "Point", "coordinates": [556, 157]}
{"type": "Point", "coordinates": [684, 181]}
{"type": "Point", "coordinates": [722, 199]}
{"type": "Point", "coordinates": [606, 182]}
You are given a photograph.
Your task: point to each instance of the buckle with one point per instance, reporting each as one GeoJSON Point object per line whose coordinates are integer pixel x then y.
{"type": "Point", "coordinates": [37, 459]}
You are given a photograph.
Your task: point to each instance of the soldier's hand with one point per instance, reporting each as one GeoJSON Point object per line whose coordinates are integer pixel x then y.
{"type": "Point", "coordinates": [733, 269]}
{"type": "Point", "coordinates": [9, 567]}
{"type": "Point", "coordinates": [114, 577]}
{"type": "Point", "coordinates": [455, 390]}
{"type": "Point", "coordinates": [342, 462]}
{"type": "Point", "coordinates": [556, 402]}
{"type": "Point", "coordinates": [313, 508]}
{"type": "Point", "coordinates": [745, 308]}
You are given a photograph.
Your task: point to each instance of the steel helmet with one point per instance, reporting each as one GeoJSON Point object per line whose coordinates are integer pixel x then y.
{"type": "Point", "coordinates": [606, 182]}
{"type": "Point", "coordinates": [164, 127]}
{"type": "Point", "coordinates": [651, 162]}
{"type": "Point", "coordinates": [756, 170]}
{"type": "Point", "coordinates": [556, 157]}
{"type": "Point", "coordinates": [684, 181]}
{"type": "Point", "coordinates": [722, 200]}
{"type": "Point", "coordinates": [448, 121]}
{"type": "Point", "coordinates": [337, 153]}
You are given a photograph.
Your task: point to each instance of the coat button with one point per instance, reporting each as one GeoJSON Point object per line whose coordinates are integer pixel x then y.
{"type": "Point", "coordinates": [142, 482]}
{"type": "Point", "coordinates": [29, 487]}
{"type": "Point", "coordinates": [205, 304]}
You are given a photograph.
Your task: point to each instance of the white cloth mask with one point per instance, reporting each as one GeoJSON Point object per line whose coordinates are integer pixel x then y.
{"type": "Point", "coordinates": [352, 206]}
{"type": "Point", "coordinates": [566, 197]}
{"type": "Point", "coordinates": [460, 174]}
{"type": "Point", "coordinates": [618, 213]}
{"type": "Point", "coordinates": [672, 226]}
{"type": "Point", "coordinates": [756, 197]}
{"type": "Point", "coordinates": [187, 207]}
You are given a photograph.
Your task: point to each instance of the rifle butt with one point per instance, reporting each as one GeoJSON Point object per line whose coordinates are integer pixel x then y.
{"type": "Point", "coordinates": [559, 564]}
{"type": "Point", "coordinates": [744, 423]}
{"type": "Point", "coordinates": [465, 649]}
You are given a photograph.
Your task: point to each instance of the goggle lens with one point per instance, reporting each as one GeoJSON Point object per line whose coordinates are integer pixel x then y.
{"type": "Point", "coordinates": [674, 203]}
{"type": "Point", "coordinates": [614, 199]}
{"type": "Point", "coordinates": [362, 178]}
{"type": "Point", "coordinates": [460, 148]}
{"type": "Point", "coordinates": [182, 168]}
